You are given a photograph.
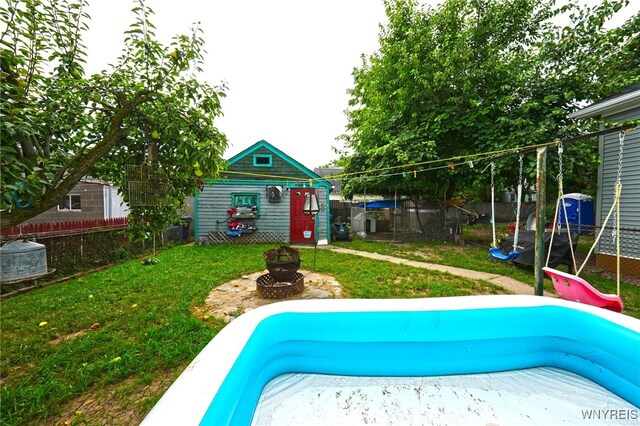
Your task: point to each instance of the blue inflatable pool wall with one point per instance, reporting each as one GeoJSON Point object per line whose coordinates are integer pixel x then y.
{"type": "Point", "coordinates": [479, 334]}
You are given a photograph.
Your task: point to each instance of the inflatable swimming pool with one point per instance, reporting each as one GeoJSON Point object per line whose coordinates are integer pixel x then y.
{"type": "Point", "coordinates": [409, 337]}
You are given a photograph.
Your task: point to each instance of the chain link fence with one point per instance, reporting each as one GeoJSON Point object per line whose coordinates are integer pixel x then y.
{"type": "Point", "coordinates": [603, 257]}
{"type": "Point", "coordinates": [73, 253]}
{"type": "Point", "coordinates": [406, 223]}
{"type": "Point", "coordinates": [340, 211]}
{"type": "Point", "coordinates": [84, 250]}
{"type": "Point", "coordinates": [605, 251]}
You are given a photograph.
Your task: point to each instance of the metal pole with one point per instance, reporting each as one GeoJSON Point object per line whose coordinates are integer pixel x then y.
{"type": "Point", "coordinates": [365, 213]}
{"type": "Point", "coordinates": [444, 224]}
{"type": "Point", "coordinates": [395, 207]}
{"type": "Point", "coordinates": [541, 203]}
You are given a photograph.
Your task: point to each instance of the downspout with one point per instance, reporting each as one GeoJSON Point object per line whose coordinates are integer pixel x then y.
{"type": "Point", "coordinates": [110, 201]}
{"type": "Point", "coordinates": [105, 202]}
{"type": "Point", "coordinates": [328, 213]}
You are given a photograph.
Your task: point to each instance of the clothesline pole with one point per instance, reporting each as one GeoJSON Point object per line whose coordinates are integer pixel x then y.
{"type": "Point", "coordinates": [541, 198]}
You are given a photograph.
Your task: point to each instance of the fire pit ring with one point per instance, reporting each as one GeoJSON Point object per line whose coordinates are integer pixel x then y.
{"type": "Point", "coordinates": [269, 288]}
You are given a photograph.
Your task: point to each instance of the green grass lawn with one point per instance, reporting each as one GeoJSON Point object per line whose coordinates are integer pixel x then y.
{"type": "Point", "coordinates": [52, 359]}
{"type": "Point", "coordinates": [476, 258]}
{"type": "Point", "coordinates": [151, 326]}
{"type": "Point", "coordinates": [468, 257]}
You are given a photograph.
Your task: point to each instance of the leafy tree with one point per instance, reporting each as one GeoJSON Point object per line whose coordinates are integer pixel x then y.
{"type": "Point", "coordinates": [59, 125]}
{"type": "Point", "coordinates": [473, 76]}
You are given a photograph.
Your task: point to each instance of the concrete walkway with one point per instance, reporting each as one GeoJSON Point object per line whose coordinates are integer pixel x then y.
{"type": "Point", "coordinates": [514, 286]}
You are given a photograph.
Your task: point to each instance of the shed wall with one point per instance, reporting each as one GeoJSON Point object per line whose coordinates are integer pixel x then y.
{"type": "Point", "coordinates": [215, 200]}
{"type": "Point", "coordinates": [323, 215]}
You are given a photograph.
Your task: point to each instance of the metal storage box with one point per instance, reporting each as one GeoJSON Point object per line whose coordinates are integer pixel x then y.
{"type": "Point", "coordinates": [21, 260]}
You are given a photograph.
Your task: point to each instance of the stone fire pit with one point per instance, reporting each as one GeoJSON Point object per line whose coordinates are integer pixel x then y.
{"type": "Point", "coordinates": [231, 299]}
{"type": "Point", "coordinates": [269, 288]}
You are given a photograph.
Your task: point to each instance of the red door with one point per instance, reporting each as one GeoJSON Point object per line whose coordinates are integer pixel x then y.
{"type": "Point", "coordinates": [301, 222]}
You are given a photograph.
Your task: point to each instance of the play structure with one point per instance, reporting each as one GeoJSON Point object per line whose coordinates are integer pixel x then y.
{"type": "Point", "coordinates": [572, 287]}
{"type": "Point", "coordinates": [494, 251]}
{"type": "Point", "coordinates": [515, 360]}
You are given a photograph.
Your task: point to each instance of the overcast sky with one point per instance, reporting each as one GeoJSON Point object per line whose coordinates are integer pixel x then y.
{"type": "Point", "coordinates": [287, 63]}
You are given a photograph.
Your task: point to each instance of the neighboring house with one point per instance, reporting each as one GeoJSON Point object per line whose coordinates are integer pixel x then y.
{"type": "Point", "coordinates": [623, 106]}
{"type": "Point", "coordinates": [267, 188]}
{"type": "Point", "coordinates": [90, 199]}
{"type": "Point", "coordinates": [336, 184]}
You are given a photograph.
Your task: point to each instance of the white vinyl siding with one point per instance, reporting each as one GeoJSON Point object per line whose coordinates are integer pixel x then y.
{"type": "Point", "coordinates": [630, 198]}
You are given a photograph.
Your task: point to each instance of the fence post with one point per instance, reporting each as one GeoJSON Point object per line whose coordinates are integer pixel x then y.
{"type": "Point", "coordinates": [82, 240]}
{"type": "Point", "coordinates": [395, 207]}
{"type": "Point", "coordinates": [365, 212]}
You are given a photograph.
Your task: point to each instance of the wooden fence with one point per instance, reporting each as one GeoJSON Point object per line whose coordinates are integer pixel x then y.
{"type": "Point", "coordinates": [65, 228]}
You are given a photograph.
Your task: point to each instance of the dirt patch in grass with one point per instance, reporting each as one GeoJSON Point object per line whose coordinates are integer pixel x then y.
{"type": "Point", "coordinates": [483, 289]}
{"type": "Point", "coordinates": [123, 403]}
{"type": "Point", "coordinates": [429, 254]}
{"type": "Point", "coordinates": [426, 254]}
{"type": "Point", "coordinates": [14, 372]}
{"type": "Point", "coordinates": [70, 336]}
{"type": "Point", "coordinates": [419, 293]}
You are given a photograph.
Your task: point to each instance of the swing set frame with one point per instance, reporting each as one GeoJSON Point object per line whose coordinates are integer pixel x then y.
{"type": "Point", "coordinates": [615, 304]}
{"type": "Point", "coordinates": [572, 287]}
{"type": "Point", "coordinates": [494, 251]}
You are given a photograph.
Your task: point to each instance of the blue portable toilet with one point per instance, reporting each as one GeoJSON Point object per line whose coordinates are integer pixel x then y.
{"type": "Point", "coordinates": [580, 212]}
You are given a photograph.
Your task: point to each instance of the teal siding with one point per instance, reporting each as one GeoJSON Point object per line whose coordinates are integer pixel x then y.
{"type": "Point", "coordinates": [321, 218]}
{"type": "Point", "coordinates": [215, 200]}
{"type": "Point", "coordinates": [279, 167]}
{"type": "Point", "coordinates": [608, 172]}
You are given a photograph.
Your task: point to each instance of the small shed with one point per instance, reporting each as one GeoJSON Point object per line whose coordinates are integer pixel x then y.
{"type": "Point", "coordinates": [259, 198]}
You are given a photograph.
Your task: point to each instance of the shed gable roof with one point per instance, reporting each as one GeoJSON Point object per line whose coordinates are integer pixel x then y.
{"type": "Point", "coordinates": [263, 145]}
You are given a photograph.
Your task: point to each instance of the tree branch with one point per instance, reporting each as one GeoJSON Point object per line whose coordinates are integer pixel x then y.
{"type": "Point", "coordinates": [10, 19]}
{"type": "Point", "coordinates": [66, 182]}
{"type": "Point", "coordinates": [28, 152]}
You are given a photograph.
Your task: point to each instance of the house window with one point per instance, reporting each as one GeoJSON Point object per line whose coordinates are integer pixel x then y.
{"type": "Point", "coordinates": [246, 200]}
{"type": "Point", "coordinates": [70, 203]}
{"type": "Point", "coordinates": [262, 160]}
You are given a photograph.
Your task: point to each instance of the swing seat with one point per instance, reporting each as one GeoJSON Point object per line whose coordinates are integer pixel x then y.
{"type": "Point", "coordinates": [574, 288]}
{"type": "Point", "coordinates": [497, 254]}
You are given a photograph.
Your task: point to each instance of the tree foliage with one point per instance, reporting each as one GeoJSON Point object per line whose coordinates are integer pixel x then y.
{"type": "Point", "coordinates": [59, 125]}
{"type": "Point", "coordinates": [472, 76]}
